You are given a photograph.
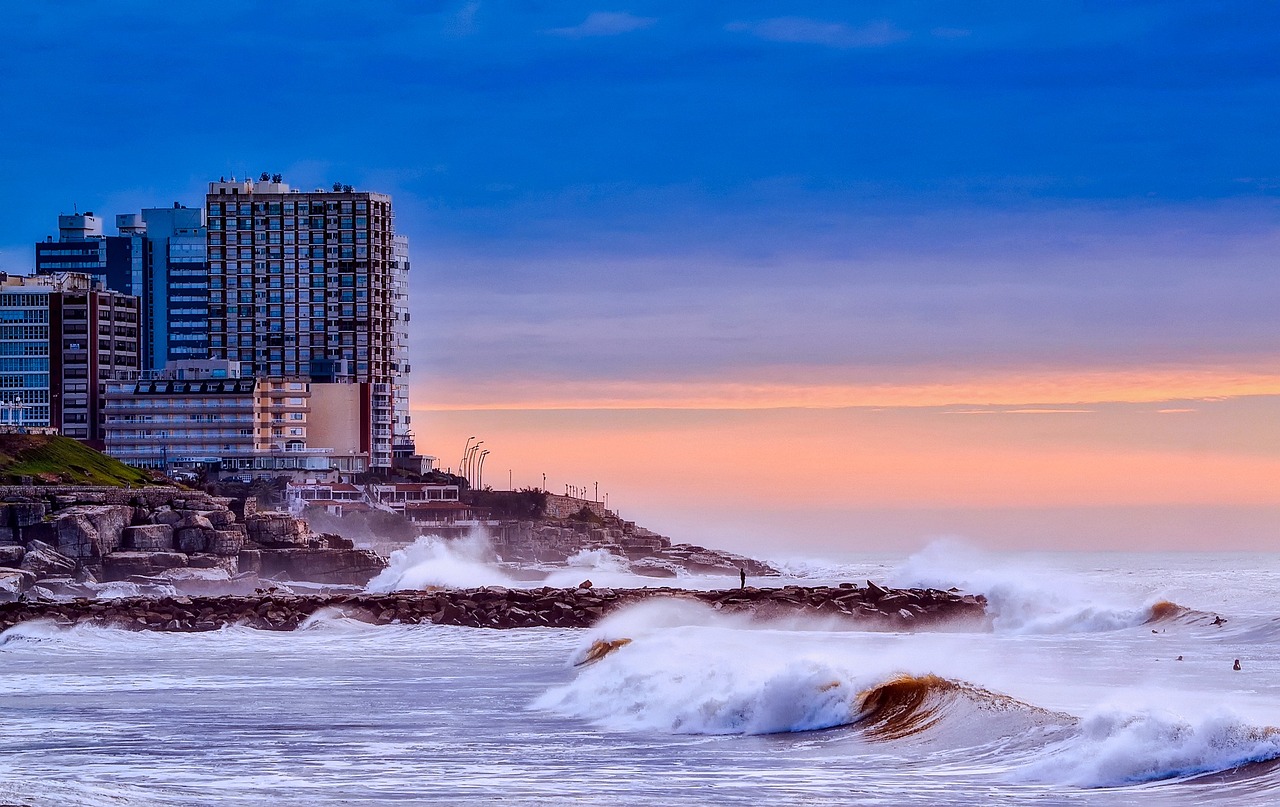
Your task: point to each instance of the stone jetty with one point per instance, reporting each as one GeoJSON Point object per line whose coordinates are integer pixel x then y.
{"type": "Point", "coordinates": [868, 606]}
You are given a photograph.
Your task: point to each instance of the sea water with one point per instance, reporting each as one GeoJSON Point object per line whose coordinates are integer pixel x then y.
{"type": "Point", "coordinates": [1087, 689]}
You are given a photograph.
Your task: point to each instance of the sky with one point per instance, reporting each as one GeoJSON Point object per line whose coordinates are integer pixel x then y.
{"type": "Point", "coordinates": [788, 277]}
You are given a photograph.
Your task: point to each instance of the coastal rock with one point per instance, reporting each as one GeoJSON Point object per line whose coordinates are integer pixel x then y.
{"type": "Point", "coordinates": [16, 517]}
{"type": "Point", "coordinates": [206, 560]}
{"type": "Point", "coordinates": [226, 542]}
{"type": "Point", "coordinates": [125, 564]}
{"type": "Point", "coordinates": [166, 515]}
{"type": "Point", "coordinates": [14, 582]}
{"type": "Point", "coordinates": [275, 529]}
{"type": "Point", "coordinates": [250, 560]}
{"type": "Point", "coordinates": [651, 567]}
{"type": "Point", "coordinates": [45, 561]}
{"type": "Point", "coordinates": [91, 531]}
{"type": "Point", "coordinates": [340, 566]}
{"type": "Point", "coordinates": [243, 508]}
{"type": "Point", "coordinates": [11, 555]}
{"type": "Point", "coordinates": [148, 537]}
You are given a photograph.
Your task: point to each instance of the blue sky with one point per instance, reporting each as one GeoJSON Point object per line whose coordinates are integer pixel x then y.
{"type": "Point", "coordinates": [858, 224]}
{"type": "Point", "coordinates": [675, 191]}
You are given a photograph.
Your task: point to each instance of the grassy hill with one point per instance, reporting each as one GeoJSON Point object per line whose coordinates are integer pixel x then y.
{"type": "Point", "coordinates": [53, 459]}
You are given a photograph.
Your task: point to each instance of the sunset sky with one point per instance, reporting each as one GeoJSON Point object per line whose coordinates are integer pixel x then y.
{"type": "Point", "coordinates": [790, 277]}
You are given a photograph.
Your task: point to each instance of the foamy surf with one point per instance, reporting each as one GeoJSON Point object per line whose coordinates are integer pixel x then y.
{"type": "Point", "coordinates": [1025, 597]}
{"type": "Point", "coordinates": [1121, 747]}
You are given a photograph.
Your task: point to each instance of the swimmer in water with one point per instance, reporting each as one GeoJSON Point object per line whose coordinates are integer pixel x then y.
{"type": "Point", "coordinates": [1236, 666]}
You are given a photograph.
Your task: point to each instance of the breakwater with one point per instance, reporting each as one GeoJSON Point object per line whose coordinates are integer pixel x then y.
{"type": "Point", "coordinates": [496, 607]}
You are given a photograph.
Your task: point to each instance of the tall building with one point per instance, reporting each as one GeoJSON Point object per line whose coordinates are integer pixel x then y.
{"type": "Point", "coordinates": [63, 337]}
{"type": "Point", "coordinates": [157, 256]}
{"type": "Point", "coordinates": [310, 284]}
{"type": "Point", "coordinates": [175, 286]}
{"type": "Point", "coordinates": [82, 248]}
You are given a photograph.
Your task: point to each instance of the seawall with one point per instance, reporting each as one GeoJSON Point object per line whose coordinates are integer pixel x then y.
{"type": "Point", "coordinates": [495, 607]}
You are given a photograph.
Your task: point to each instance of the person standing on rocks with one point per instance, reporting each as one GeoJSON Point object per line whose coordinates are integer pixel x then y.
{"type": "Point", "coordinates": [742, 577]}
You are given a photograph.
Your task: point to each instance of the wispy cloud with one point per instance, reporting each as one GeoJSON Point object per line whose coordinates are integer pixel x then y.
{"type": "Point", "coordinates": [604, 23]}
{"type": "Point", "coordinates": [818, 32]}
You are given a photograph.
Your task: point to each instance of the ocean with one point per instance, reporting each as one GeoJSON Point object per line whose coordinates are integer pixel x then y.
{"type": "Point", "coordinates": [1105, 679]}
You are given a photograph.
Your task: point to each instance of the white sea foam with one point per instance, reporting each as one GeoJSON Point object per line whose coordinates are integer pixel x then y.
{"type": "Point", "coordinates": [1118, 747]}
{"type": "Point", "coordinates": [1022, 596]}
{"type": "Point", "coordinates": [706, 681]}
{"type": "Point", "coordinates": [448, 563]}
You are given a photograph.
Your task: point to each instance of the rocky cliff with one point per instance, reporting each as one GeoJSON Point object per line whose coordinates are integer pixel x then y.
{"type": "Point", "coordinates": [68, 540]}
{"type": "Point", "coordinates": [647, 552]}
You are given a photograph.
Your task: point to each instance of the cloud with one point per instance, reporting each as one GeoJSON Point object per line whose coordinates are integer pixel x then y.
{"type": "Point", "coordinates": [604, 23]}
{"type": "Point", "coordinates": [817, 32]}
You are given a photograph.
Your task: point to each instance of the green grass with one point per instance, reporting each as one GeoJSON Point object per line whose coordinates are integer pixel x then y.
{"type": "Point", "coordinates": [53, 459]}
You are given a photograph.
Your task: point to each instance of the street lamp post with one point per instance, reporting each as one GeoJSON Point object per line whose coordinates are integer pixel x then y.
{"type": "Point", "coordinates": [462, 465]}
{"type": "Point", "coordinates": [480, 470]}
{"type": "Point", "coordinates": [471, 468]}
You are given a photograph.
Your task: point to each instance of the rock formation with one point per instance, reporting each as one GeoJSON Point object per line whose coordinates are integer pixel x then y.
{"type": "Point", "coordinates": [648, 553]}
{"type": "Point", "coordinates": [65, 539]}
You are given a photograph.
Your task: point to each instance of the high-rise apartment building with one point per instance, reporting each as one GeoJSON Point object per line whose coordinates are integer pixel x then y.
{"type": "Point", "coordinates": [63, 337]}
{"type": "Point", "coordinates": [175, 286]}
{"type": "Point", "coordinates": [82, 248]}
{"type": "Point", "coordinates": [159, 257]}
{"type": "Point", "coordinates": [311, 284]}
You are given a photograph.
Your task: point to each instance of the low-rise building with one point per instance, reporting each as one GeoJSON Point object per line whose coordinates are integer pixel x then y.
{"type": "Point", "coordinates": [418, 502]}
{"type": "Point", "coordinates": [204, 416]}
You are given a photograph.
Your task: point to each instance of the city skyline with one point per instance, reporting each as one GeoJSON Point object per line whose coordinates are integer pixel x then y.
{"type": "Point", "coordinates": [653, 214]}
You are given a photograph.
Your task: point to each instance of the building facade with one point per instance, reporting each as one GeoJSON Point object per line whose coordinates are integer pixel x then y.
{"type": "Point", "coordinates": [205, 416]}
{"type": "Point", "coordinates": [157, 256]}
{"type": "Point", "coordinates": [175, 286]}
{"type": "Point", "coordinates": [63, 339]}
{"type": "Point", "coordinates": [83, 249]}
{"type": "Point", "coordinates": [312, 285]}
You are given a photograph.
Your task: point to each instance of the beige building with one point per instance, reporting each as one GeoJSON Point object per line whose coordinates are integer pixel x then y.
{"type": "Point", "coordinates": [205, 416]}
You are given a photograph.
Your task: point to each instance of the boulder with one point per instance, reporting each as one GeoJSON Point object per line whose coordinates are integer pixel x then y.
{"type": "Point", "coordinates": [126, 564]}
{"type": "Point", "coordinates": [11, 555]}
{"type": "Point", "coordinates": [45, 561]}
{"type": "Point", "coordinates": [15, 517]}
{"type": "Point", "coordinates": [91, 531]}
{"type": "Point", "coordinates": [275, 529]}
{"type": "Point", "coordinates": [649, 567]}
{"type": "Point", "coordinates": [204, 560]}
{"type": "Point", "coordinates": [166, 516]}
{"type": "Point", "coordinates": [193, 521]}
{"type": "Point", "coordinates": [227, 543]}
{"type": "Point", "coordinates": [148, 537]}
{"type": "Point", "coordinates": [60, 588]}
{"type": "Point", "coordinates": [220, 519]}
{"type": "Point", "coordinates": [192, 539]}
{"type": "Point", "coordinates": [14, 583]}
{"type": "Point", "coordinates": [340, 566]}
